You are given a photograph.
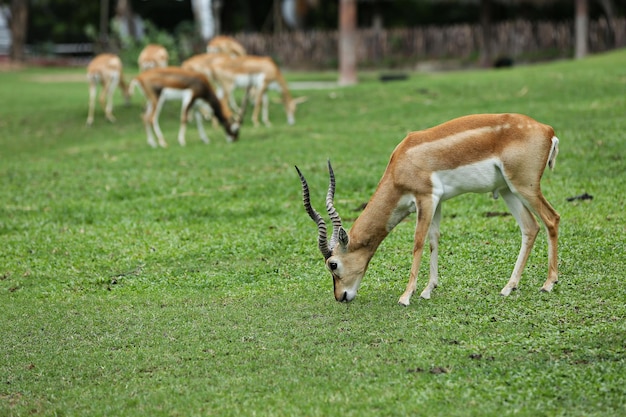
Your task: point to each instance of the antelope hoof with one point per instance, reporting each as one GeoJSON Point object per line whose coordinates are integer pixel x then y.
{"type": "Point", "coordinates": [404, 301]}
{"type": "Point", "coordinates": [506, 291]}
{"type": "Point", "coordinates": [427, 291]}
{"type": "Point", "coordinates": [547, 287]}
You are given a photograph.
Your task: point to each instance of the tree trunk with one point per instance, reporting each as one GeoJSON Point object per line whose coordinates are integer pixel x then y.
{"type": "Point", "coordinates": [347, 42]}
{"type": "Point", "coordinates": [217, 16]}
{"type": "Point", "coordinates": [485, 22]}
{"type": "Point", "coordinates": [609, 11]}
{"type": "Point", "coordinates": [203, 14]}
{"type": "Point", "coordinates": [103, 38]}
{"type": "Point", "coordinates": [582, 28]}
{"type": "Point", "coordinates": [19, 29]}
{"type": "Point", "coordinates": [126, 18]}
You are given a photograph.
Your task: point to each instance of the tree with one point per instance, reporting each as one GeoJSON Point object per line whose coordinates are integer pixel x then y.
{"type": "Point", "coordinates": [203, 14]}
{"type": "Point", "coordinates": [582, 27]}
{"type": "Point", "coordinates": [609, 10]}
{"type": "Point", "coordinates": [347, 42]}
{"type": "Point", "coordinates": [126, 20]}
{"type": "Point", "coordinates": [19, 28]}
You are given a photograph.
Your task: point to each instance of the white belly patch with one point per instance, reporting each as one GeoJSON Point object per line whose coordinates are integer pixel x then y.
{"type": "Point", "coordinates": [175, 93]}
{"type": "Point", "coordinates": [479, 177]}
{"type": "Point", "coordinates": [245, 80]}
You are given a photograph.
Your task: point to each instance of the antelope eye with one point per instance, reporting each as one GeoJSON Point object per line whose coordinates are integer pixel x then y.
{"type": "Point", "coordinates": [332, 265]}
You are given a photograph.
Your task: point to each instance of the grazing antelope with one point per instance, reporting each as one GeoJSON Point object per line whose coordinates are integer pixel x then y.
{"type": "Point", "coordinates": [204, 63]}
{"type": "Point", "coordinates": [259, 73]}
{"type": "Point", "coordinates": [501, 153]}
{"type": "Point", "coordinates": [153, 56]}
{"type": "Point", "coordinates": [105, 69]}
{"type": "Point", "coordinates": [225, 45]}
{"type": "Point", "coordinates": [193, 89]}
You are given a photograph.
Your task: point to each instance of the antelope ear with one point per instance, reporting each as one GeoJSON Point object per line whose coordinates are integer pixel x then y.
{"type": "Point", "coordinates": [343, 238]}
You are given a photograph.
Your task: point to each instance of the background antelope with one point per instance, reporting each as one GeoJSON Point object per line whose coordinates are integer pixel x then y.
{"type": "Point", "coordinates": [501, 153]}
{"type": "Point", "coordinates": [225, 45]}
{"type": "Point", "coordinates": [105, 69]}
{"type": "Point", "coordinates": [204, 63]}
{"type": "Point", "coordinates": [193, 89]}
{"type": "Point", "coordinates": [153, 56]}
{"type": "Point", "coordinates": [259, 73]}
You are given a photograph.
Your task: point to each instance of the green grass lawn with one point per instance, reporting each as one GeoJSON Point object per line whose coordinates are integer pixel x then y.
{"type": "Point", "coordinates": [187, 281]}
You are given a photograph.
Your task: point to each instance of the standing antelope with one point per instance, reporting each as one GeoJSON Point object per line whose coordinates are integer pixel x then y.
{"type": "Point", "coordinates": [193, 89]}
{"type": "Point", "coordinates": [259, 73]}
{"type": "Point", "coordinates": [105, 69]}
{"type": "Point", "coordinates": [153, 56]}
{"type": "Point", "coordinates": [501, 153]}
{"type": "Point", "coordinates": [225, 45]}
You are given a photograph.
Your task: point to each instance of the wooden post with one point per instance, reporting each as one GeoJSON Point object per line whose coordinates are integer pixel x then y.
{"type": "Point", "coordinates": [19, 29]}
{"type": "Point", "coordinates": [347, 42]}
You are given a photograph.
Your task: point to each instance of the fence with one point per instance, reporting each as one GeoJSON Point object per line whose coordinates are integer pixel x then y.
{"type": "Point", "coordinates": [519, 40]}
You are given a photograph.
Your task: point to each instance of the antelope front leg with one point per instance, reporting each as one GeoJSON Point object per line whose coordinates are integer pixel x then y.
{"type": "Point", "coordinates": [92, 102]}
{"type": "Point", "coordinates": [424, 216]}
{"type": "Point", "coordinates": [148, 125]}
{"type": "Point", "coordinates": [155, 122]}
{"type": "Point", "coordinates": [230, 97]}
{"type": "Point", "coordinates": [433, 237]}
{"type": "Point", "coordinates": [258, 103]}
{"type": "Point", "coordinates": [200, 126]}
{"type": "Point", "coordinates": [265, 114]}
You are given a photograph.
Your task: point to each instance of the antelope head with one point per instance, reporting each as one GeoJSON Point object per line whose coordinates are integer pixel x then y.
{"type": "Point", "coordinates": [346, 265]}
{"type": "Point", "coordinates": [235, 121]}
{"type": "Point", "coordinates": [290, 108]}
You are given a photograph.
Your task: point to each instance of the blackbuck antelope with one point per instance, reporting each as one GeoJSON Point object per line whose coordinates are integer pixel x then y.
{"type": "Point", "coordinates": [504, 154]}
{"type": "Point", "coordinates": [204, 63]}
{"type": "Point", "coordinates": [105, 69]}
{"type": "Point", "coordinates": [152, 56]}
{"type": "Point", "coordinates": [259, 73]}
{"type": "Point", "coordinates": [225, 45]}
{"type": "Point", "coordinates": [193, 89]}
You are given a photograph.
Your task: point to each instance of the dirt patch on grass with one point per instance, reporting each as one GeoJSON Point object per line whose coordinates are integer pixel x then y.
{"type": "Point", "coordinates": [6, 66]}
{"type": "Point", "coordinates": [58, 78]}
